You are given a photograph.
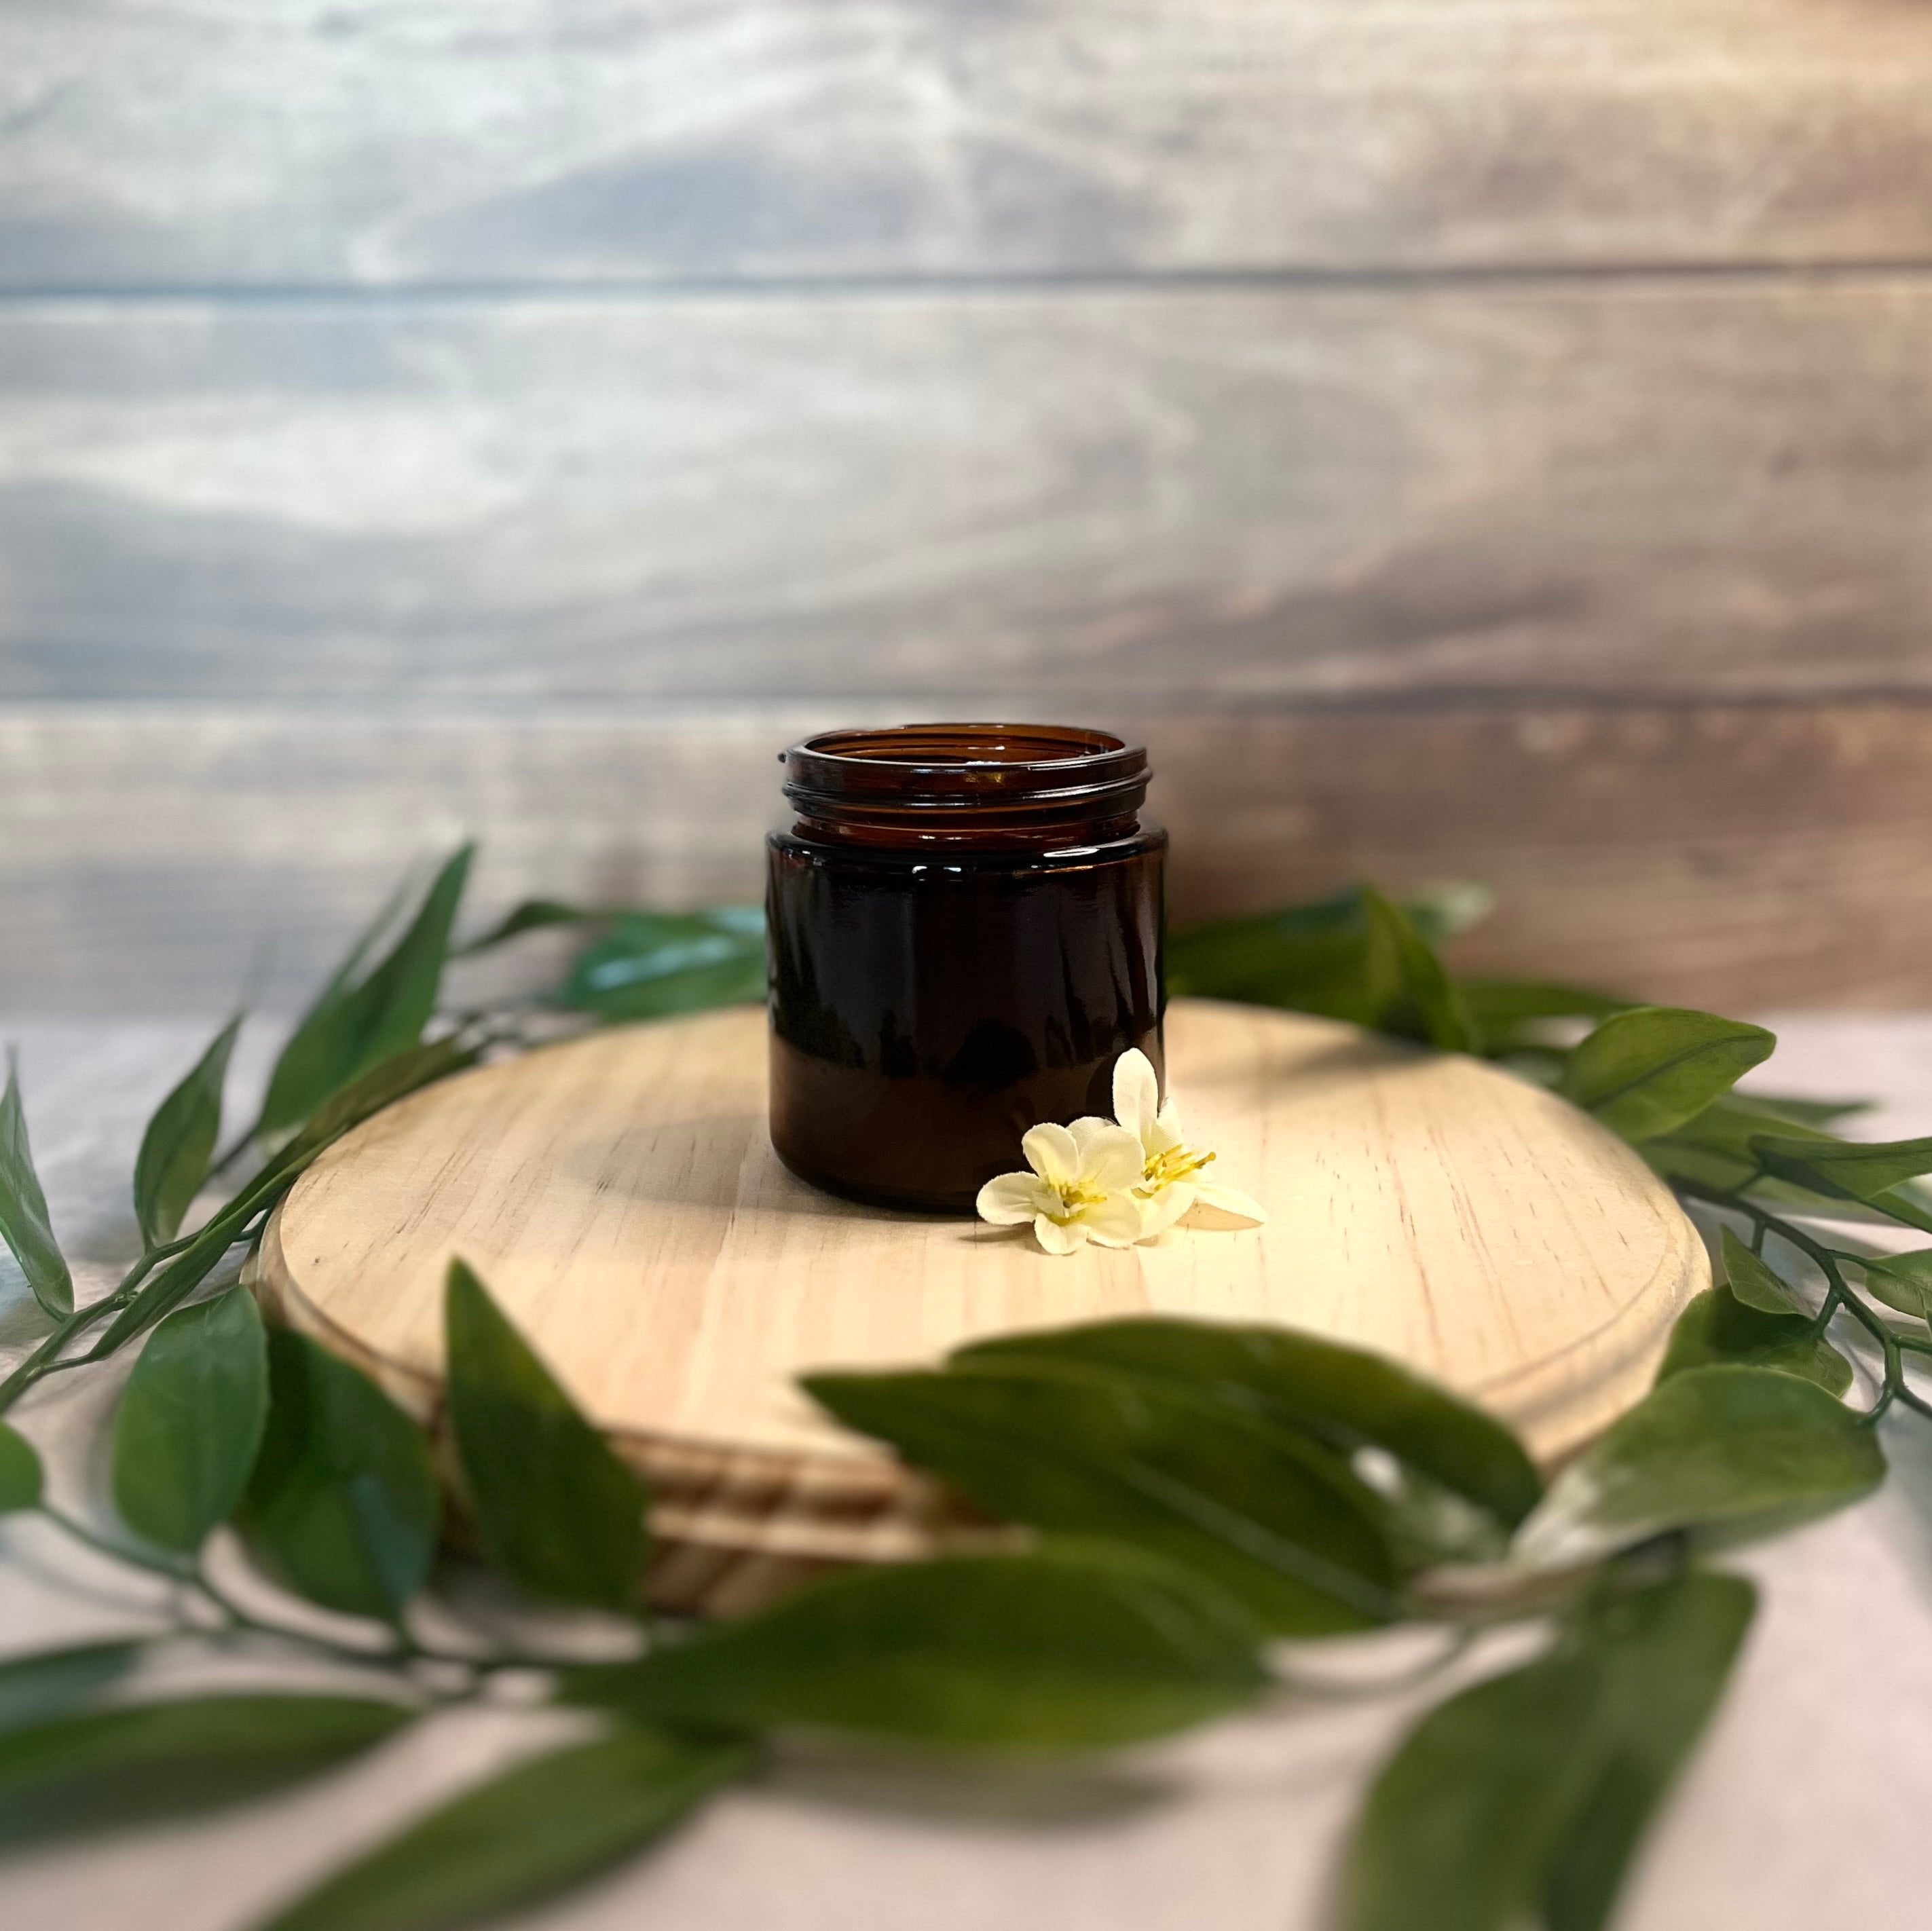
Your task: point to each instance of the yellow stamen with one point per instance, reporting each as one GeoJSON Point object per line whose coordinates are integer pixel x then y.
{"type": "Point", "coordinates": [1176, 1164]}
{"type": "Point", "coordinates": [1073, 1196]}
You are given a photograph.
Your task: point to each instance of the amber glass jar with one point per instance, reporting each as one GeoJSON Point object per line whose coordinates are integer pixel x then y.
{"type": "Point", "coordinates": [966, 930]}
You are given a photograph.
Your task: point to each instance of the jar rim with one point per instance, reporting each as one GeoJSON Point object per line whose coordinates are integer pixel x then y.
{"type": "Point", "coordinates": [945, 767]}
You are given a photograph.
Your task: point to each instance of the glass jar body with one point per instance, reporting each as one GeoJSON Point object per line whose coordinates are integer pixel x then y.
{"type": "Point", "coordinates": [934, 996]}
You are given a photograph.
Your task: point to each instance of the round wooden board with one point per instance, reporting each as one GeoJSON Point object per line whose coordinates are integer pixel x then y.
{"type": "Point", "coordinates": [619, 1196]}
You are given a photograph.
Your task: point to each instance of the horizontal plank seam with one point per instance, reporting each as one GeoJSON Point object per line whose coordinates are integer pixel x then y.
{"type": "Point", "coordinates": [596, 710]}
{"type": "Point", "coordinates": [1311, 279]}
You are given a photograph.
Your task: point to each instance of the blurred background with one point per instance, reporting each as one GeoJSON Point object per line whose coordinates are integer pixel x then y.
{"type": "Point", "coordinates": [1474, 439]}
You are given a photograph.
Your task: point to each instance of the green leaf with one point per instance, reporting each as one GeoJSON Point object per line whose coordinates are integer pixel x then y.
{"type": "Point", "coordinates": [1711, 1447]}
{"type": "Point", "coordinates": [33, 1688]}
{"type": "Point", "coordinates": [1715, 1149]}
{"type": "Point", "coordinates": [1061, 1648]}
{"type": "Point", "coordinates": [1506, 1013]}
{"type": "Point", "coordinates": [1645, 1071]}
{"type": "Point", "coordinates": [391, 1080]}
{"type": "Point", "coordinates": [358, 1023]}
{"type": "Point", "coordinates": [1533, 1788]}
{"type": "Point", "coordinates": [1713, 1146]}
{"type": "Point", "coordinates": [1844, 1169]}
{"type": "Point", "coordinates": [1753, 1283]}
{"type": "Point", "coordinates": [1685, 1163]}
{"type": "Point", "coordinates": [1273, 1519]}
{"type": "Point", "coordinates": [20, 1478]}
{"type": "Point", "coordinates": [191, 1420]}
{"type": "Point", "coordinates": [1463, 1822]}
{"type": "Point", "coordinates": [342, 1505]}
{"type": "Point", "coordinates": [24, 1224]}
{"type": "Point", "coordinates": [1355, 956]}
{"type": "Point", "coordinates": [555, 1508]}
{"type": "Point", "coordinates": [1717, 1327]}
{"type": "Point", "coordinates": [1664, 1656]}
{"type": "Point", "coordinates": [395, 1078]}
{"type": "Point", "coordinates": [1309, 958]}
{"type": "Point", "coordinates": [1346, 1396]}
{"type": "Point", "coordinates": [110, 1768]}
{"type": "Point", "coordinates": [1424, 1004]}
{"type": "Point", "coordinates": [172, 1283]}
{"type": "Point", "coordinates": [650, 964]}
{"type": "Point", "coordinates": [1904, 1282]}
{"type": "Point", "coordinates": [1442, 911]}
{"type": "Point", "coordinates": [379, 927]}
{"type": "Point", "coordinates": [173, 1162]}
{"type": "Point", "coordinates": [532, 915]}
{"type": "Point", "coordinates": [1789, 1107]}
{"type": "Point", "coordinates": [544, 1825]}
{"type": "Point", "coordinates": [1907, 1207]}
{"type": "Point", "coordinates": [1734, 1119]}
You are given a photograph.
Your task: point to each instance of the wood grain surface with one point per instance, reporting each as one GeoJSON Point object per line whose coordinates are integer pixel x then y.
{"type": "Point", "coordinates": [619, 1196]}
{"type": "Point", "coordinates": [410, 415]}
{"type": "Point", "coordinates": [1740, 856]}
{"type": "Point", "coordinates": [1196, 499]}
{"type": "Point", "coordinates": [380, 142]}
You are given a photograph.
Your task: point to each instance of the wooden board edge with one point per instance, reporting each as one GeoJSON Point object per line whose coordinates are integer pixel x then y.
{"type": "Point", "coordinates": [1544, 1402]}
{"type": "Point", "coordinates": [799, 1509]}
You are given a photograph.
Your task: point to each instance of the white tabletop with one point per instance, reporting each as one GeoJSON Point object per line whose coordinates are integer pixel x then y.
{"type": "Point", "coordinates": [1806, 1808]}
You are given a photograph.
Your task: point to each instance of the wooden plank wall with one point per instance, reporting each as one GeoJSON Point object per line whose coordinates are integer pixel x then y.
{"type": "Point", "coordinates": [1477, 438]}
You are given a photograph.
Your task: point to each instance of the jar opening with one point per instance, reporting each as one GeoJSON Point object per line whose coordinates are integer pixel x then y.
{"type": "Point", "coordinates": [965, 767]}
{"type": "Point", "coordinates": [937, 747]}
{"type": "Point", "coordinates": [964, 780]}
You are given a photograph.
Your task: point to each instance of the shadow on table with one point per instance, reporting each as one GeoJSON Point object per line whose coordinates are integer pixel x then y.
{"type": "Point", "coordinates": [1907, 1441]}
{"type": "Point", "coordinates": [22, 1321]}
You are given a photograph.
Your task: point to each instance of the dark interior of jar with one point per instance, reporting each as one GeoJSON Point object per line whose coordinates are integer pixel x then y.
{"type": "Point", "coordinates": [1037, 774]}
{"type": "Point", "coordinates": [928, 745]}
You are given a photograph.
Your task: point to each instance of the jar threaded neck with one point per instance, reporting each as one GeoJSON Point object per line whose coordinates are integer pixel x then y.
{"type": "Point", "coordinates": [966, 783]}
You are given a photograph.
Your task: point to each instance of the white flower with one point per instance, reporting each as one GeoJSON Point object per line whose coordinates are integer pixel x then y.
{"type": "Point", "coordinates": [1114, 1183]}
{"type": "Point", "coordinates": [1170, 1183]}
{"type": "Point", "coordinates": [1080, 1189]}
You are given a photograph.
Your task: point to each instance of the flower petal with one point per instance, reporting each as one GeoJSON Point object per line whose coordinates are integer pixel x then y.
{"type": "Point", "coordinates": [1229, 1201]}
{"type": "Point", "coordinates": [1111, 1160]}
{"type": "Point", "coordinates": [1114, 1222]}
{"type": "Point", "coordinates": [1052, 1153]}
{"type": "Point", "coordinates": [1160, 1212]}
{"type": "Point", "coordinates": [1014, 1198]}
{"type": "Point", "coordinates": [1136, 1091]}
{"type": "Point", "coordinates": [1059, 1236]}
{"type": "Point", "coordinates": [1083, 1129]}
{"type": "Point", "coordinates": [1164, 1134]}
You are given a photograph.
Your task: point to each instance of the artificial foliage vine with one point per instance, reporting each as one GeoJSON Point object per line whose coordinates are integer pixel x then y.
{"type": "Point", "coordinates": [1179, 1495]}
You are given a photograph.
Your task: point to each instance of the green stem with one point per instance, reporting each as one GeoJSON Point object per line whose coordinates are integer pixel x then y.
{"type": "Point", "coordinates": [42, 1360]}
{"type": "Point", "coordinates": [1838, 1294]}
{"type": "Point", "coordinates": [45, 1358]}
{"type": "Point", "coordinates": [234, 1224]}
{"type": "Point", "coordinates": [175, 1569]}
{"type": "Point", "coordinates": [238, 1621]}
{"type": "Point", "coordinates": [231, 1223]}
{"type": "Point", "coordinates": [246, 1623]}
